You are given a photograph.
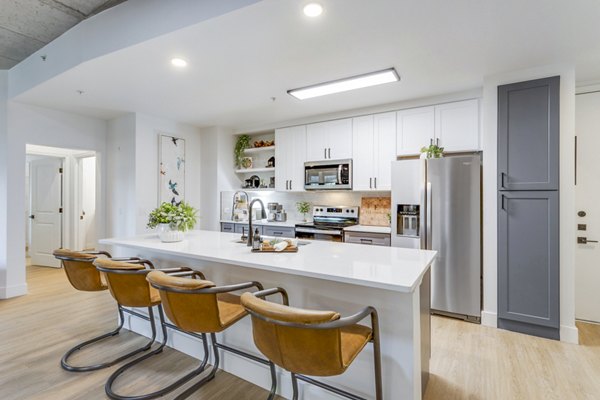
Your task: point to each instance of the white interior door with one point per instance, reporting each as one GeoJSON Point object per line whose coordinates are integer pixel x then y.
{"type": "Point", "coordinates": [46, 216]}
{"type": "Point", "coordinates": [587, 271]}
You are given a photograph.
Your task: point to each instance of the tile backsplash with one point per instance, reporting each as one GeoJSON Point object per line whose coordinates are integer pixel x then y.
{"type": "Point", "coordinates": [374, 211]}
{"type": "Point", "coordinates": [332, 198]}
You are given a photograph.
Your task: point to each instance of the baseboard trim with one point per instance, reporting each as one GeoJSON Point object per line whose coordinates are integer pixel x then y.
{"type": "Point", "coordinates": [6, 292]}
{"type": "Point", "coordinates": [489, 318]}
{"type": "Point", "coordinates": [569, 334]}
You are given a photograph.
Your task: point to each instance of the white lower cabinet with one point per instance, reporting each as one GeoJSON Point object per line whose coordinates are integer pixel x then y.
{"type": "Point", "coordinates": [374, 149]}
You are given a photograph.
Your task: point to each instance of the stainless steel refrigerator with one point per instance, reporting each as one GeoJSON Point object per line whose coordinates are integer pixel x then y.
{"type": "Point", "coordinates": [436, 205]}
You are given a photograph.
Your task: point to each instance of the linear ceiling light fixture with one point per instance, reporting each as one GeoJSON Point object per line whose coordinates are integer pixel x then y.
{"type": "Point", "coordinates": [345, 84]}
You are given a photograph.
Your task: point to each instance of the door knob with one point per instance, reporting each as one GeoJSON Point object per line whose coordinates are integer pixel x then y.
{"type": "Point", "coordinates": [581, 214]}
{"type": "Point", "coordinates": [584, 240]}
{"type": "Point", "coordinates": [32, 216]}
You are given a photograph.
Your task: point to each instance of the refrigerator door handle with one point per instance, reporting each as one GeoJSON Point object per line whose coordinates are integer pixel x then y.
{"type": "Point", "coordinates": [423, 227]}
{"type": "Point", "coordinates": [429, 217]}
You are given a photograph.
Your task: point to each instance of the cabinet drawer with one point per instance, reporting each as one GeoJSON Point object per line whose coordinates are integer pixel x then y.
{"type": "Point", "coordinates": [243, 228]}
{"type": "Point", "coordinates": [227, 227]}
{"type": "Point", "coordinates": [376, 239]}
{"type": "Point", "coordinates": [279, 231]}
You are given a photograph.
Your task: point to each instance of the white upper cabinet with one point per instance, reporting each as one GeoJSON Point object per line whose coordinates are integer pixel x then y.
{"type": "Point", "coordinates": [290, 154]}
{"type": "Point", "coordinates": [374, 149]}
{"type": "Point", "coordinates": [385, 145]}
{"type": "Point", "coordinates": [457, 126]}
{"type": "Point", "coordinates": [415, 129]}
{"type": "Point", "coordinates": [330, 140]}
{"type": "Point", "coordinates": [363, 138]}
{"type": "Point", "coordinates": [453, 126]}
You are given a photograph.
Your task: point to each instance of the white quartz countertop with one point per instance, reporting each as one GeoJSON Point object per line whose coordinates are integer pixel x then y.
{"type": "Point", "coordinates": [369, 229]}
{"type": "Point", "coordinates": [264, 222]}
{"type": "Point", "coordinates": [390, 268]}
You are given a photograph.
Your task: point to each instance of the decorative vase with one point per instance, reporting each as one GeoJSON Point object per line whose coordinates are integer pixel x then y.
{"type": "Point", "coordinates": [168, 235]}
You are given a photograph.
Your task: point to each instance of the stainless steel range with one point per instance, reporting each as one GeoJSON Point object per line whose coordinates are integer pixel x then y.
{"type": "Point", "coordinates": [328, 223]}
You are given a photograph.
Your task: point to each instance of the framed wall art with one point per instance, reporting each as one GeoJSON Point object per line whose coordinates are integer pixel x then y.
{"type": "Point", "coordinates": [171, 180]}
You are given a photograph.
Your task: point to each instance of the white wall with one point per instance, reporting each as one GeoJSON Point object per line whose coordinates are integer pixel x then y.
{"type": "Point", "coordinates": [147, 131]}
{"type": "Point", "coordinates": [567, 192]}
{"type": "Point", "coordinates": [3, 189]}
{"type": "Point", "coordinates": [41, 126]}
{"type": "Point", "coordinates": [120, 175]}
{"type": "Point", "coordinates": [217, 173]}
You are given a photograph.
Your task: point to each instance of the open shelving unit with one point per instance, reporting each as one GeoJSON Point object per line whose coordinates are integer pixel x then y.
{"type": "Point", "coordinates": [260, 157]}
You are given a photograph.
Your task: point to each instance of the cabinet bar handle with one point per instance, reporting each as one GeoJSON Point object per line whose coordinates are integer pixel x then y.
{"type": "Point", "coordinates": [502, 174]}
{"type": "Point", "coordinates": [370, 183]}
{"type": "Point", "coordinates": [437, 142]}
{"type": "Point", "coordinates": [324, 153]}
{"type": "Point", "coordinates": [375, 184]}
{"type": "Point", "coordinates": [287, 185]}
{"type": "Point", "coordinates": [502, 203]}
{"type": "Point", "coordinates": [431, 142]}
{"type": "Point", "coordinates": [290, 184]}
{"type": "Point", "coordinates": [329, 153]}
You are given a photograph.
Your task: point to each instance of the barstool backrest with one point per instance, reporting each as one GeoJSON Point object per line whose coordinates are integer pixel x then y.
{"type": "Point", "coordinates": [294, 338]}
{"type": "Point", "coordinates": [127, 282]}
{"type": "Point", "coordinates": [192, 304]}
{"type": "Point", "coordinates": [82, 274]}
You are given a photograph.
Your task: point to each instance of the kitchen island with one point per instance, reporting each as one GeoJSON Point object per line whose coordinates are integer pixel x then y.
{"type": "Point", "coordinates": [322, 275]}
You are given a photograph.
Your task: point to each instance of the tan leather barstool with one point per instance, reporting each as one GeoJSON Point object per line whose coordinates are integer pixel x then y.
{"type": "Point", "coordinates": [308, 342]}
{"type": "Point", "coordinates": [128, 285]}
{"type": "Point", "coordinates": [202, 307]}
{"type": "Point", "coordinates": [84, 276]}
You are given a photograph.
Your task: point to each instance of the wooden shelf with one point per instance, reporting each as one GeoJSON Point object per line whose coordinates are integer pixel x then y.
{"type": "Point", "coordinates": [252, 170]}
{"type": "Point", "coordinates": [253, 150]}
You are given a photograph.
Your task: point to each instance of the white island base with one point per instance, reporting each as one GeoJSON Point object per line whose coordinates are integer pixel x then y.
{"type": "Point", "coordinates": [323, 276]}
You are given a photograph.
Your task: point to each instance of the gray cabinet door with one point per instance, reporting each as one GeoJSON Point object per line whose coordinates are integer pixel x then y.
{"type": "Point", "coordinates": [528, 262]}
{"type": "Point", "coordinates": [528, 135]}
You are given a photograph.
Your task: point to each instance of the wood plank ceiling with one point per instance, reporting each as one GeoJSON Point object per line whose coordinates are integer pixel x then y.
{"type": "Point", "coordinates": [28, 25]}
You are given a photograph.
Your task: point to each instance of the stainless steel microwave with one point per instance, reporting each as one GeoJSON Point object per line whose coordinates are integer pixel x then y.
{"type": "Point", "coordinates": [328, 175]}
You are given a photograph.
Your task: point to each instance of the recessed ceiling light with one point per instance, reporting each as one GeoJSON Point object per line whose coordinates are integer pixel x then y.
{"type": "Point", "coordinates": [313, 10]}
{"type": "Point", "coordinates": [345, 84]}
{"type": "Point", "coordinates": [178, 62]}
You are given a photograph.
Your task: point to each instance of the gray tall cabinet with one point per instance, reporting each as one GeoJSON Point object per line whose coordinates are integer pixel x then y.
{"type": "Point", "coordinates": [528, 209]}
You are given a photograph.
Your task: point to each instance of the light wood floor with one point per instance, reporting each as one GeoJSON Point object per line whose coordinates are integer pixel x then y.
{"type": "Point", "coordinates": [468, 361]}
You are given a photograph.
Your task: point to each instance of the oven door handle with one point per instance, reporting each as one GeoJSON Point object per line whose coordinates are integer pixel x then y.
{"type": "Point", "coordinates": [319, 231]}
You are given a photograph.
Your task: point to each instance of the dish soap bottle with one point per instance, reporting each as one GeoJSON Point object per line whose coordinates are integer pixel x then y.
{"type": "Point", "coordinates": [256, 240]}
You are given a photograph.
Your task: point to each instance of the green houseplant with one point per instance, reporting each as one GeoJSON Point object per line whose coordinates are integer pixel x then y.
{"type": "Point", "coordinates": [303, 207]}
{"type": "Point", "coordinates": [433, 151]}
{"type": "Point", "coordinates": [242, 143]}
{"type": "Point", "coordinates": [172, 220]}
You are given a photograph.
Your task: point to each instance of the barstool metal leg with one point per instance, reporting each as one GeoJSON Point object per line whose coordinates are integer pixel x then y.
{"type": "Point", "coordinates": [294, 387]}
{"type": "Point", "coordinates": [273, 381]}
{"type": "Point", "coordinates": [65, 363]}
{"type": "Point", "coordinates": [159, 393]}
{"type": "Point", "coordinates": [207, 378]}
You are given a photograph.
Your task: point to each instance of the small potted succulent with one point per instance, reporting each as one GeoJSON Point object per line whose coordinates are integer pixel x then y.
{"type": "Point", "coordinates": [172, 220]}
{"type": "Point", "coordinates": [303, 207]}
{"type": "Point", "coordinates": [432, 151]}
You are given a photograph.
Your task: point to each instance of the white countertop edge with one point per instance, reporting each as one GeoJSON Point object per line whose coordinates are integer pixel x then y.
{"type": "Point", "coordinates": [324, 276]}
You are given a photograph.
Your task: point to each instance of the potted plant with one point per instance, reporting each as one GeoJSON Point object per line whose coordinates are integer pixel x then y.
{"type": "Point", "coordinates": [242, 143]}
{"type": "Point", "coordinates": [172, 220]}
{"type": "Point", "coordinates": [432, 151]}
{"type": "Point", "coordinates": [303, 207]}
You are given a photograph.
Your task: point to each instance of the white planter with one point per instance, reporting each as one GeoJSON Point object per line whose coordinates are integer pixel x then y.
{"type": "Point", "coordinates": [168, 235]}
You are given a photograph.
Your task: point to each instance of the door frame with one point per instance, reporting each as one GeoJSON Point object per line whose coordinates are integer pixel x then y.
{"type": "Point", "coordinates": [77, 195]}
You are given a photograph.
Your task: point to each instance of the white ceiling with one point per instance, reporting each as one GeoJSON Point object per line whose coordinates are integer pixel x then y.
{"type": "Point", "coordinates": [238, 61]}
